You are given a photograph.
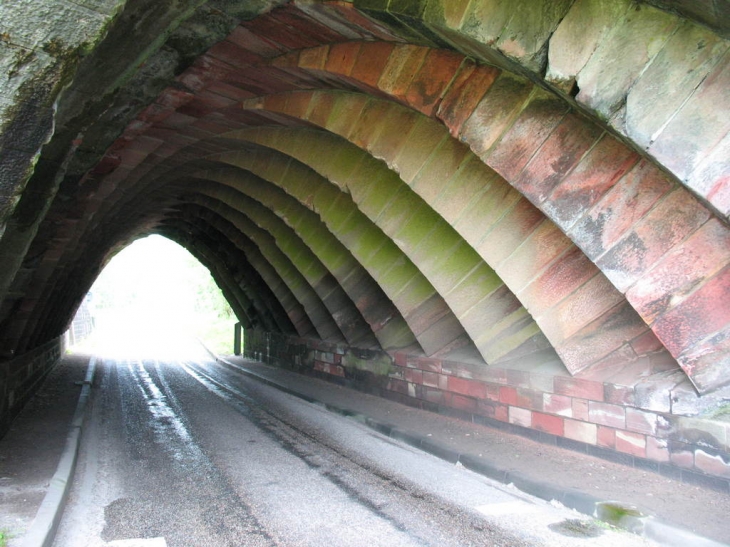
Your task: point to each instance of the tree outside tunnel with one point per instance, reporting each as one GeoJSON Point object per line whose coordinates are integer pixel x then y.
{"type": "Point", "coordinates": [155, 289]}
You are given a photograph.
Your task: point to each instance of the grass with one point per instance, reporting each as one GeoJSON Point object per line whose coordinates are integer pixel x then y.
{"type": "Point", "coordinates": [4, 537]}
{"type": "Point", "coordinates": [217, 335]}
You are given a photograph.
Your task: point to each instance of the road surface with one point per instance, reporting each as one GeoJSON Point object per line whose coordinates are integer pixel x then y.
{"type": "Point", "coordinates": [180, 451]}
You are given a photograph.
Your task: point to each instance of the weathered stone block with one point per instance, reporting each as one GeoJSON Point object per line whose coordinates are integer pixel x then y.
{"type": "Point", "coordinates": [621, 57]}
{"type": "Point", "coordinates": [581, 431]}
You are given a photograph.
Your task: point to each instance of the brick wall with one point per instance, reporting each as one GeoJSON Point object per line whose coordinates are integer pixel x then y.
{"type": "Point", "coordinates": [22, 376]}
{"type": "Point", "coordinates": [657, 423]}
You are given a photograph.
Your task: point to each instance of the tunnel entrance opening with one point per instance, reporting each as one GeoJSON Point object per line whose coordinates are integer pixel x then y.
{"type": "Point", "coordinates": [152, 294]}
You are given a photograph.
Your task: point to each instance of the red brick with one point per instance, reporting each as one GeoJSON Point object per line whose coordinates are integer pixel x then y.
{"type": "Point", "coordinates": [704, 312]}
{"type": "Point", "coordinates": [656, 449]}
{"type": "Point", "coordinates": [528, 398]}
{"type": "Point", "coordinates": [371, 61]}
{"type": "Point", "coordinates": [579, 409]}
{"type": "Point", "coordinates": [494, 113]}
{"type": "Point", "coordinates": [460, 402]}
{"type": "Point", "coordinates": [550, 424]}
{"type": "Point", "coordinates": [631, 443]}
{"type": "Point", "coordinates": [433, 78]}
{"type": "Point", "coordinates": [342, 57]}
{"type": "Point", "coordinates": [520, 142]}
{"type": "Point", "coordinates": [501, 413]}
{"type": "Point", "coordinates": [473, 388]}
{"type": "Point", "coordinates": [493, 392]}
{"type": "Point", "coordinates": [577, 387]}
{"type": "Point", "coordinates": [467, 89]}
{"type": "Point", "coordinates": [641, 421]}
{"type": "Point", "coordinates": [558, 404]}
{"type": "Point", "coordinates": [607, 414]}
{"type": "Point", "coordinates": [580, 431]}
{"type": "Point", "coordinates": [399, 71]}
{"type": "Point", "coordinates": [606, 437]}
{"type": "Point", "coordinates": [711, 464]}
{"type": "Point", "coordinates": [619, 394]}
{"type": "Point", "coordinates": [508, 395]}
{"type": "Point", "coordinates": [520, 416]}
{"type": "Point", "coordinates": [430, 379]}
{"type": "Point", "coordinates": [414, 376]}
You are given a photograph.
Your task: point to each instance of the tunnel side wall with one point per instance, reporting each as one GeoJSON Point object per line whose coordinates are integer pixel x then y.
{"type": "Point", "coordinates": [651, 424]}
{"type": "Point", "coordinates": [21, 377]}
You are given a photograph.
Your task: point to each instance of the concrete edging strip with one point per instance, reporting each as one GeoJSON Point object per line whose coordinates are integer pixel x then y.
{"type": "Point", "coordinates": [43, 528]}
{"type": "Point", "coordinates": [648, 527]}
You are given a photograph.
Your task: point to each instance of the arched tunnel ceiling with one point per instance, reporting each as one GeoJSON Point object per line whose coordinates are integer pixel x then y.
{"type": "Point", "coordinates": [542, 183]}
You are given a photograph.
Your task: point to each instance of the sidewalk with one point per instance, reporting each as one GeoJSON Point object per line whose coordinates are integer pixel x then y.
{"type": "Point", "coordinates": [577, 480]}
{"type": "Point", "coordinates": [30, 452]}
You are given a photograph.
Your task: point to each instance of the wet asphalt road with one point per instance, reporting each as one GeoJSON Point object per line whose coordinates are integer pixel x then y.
{"type": "Point", "coordinates": [200, 455]}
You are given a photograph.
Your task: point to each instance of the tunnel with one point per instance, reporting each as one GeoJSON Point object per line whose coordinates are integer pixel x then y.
{"type": "Point", "coordinates": [514, 212]}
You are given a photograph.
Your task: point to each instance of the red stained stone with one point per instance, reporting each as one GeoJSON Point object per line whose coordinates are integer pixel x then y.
{"type": "Point", "coordinates": [620, 209]}
{"type": "Point", "coordinates": [528, 133]}
{"type": "Point", "coordinates": [703, 313]}
{"type": "Point", "coordinates": [243, 37]}
{"type": "Point", "coordinates": [562, 150]}
{"type": "Point", "coordinates": [543, 246]}
{"type": "Point", "coordinates": [558, 282]}
{"type": "Point", "coordinates": [433, 78]}
{"type": "Point", "coordinates": [594, 175]}
{"type": "Point", "coordinates": [682, 270]}
{"type": "Point", "coordinates": [607, 334]}
{"type": "Point", "coordinates": [233, 54]}
{"type": "Point", "coordinates": [607, 414]}
{"type": "Point", "coordinates": [495, 113]}
{"type": "Point", "coordinates": [469, 86]}
{"type": "Point", "coordinates": [606, 437]}
{"type": "Point", "coordinates": [670, 222]}
{"type": "Point", "coordinates": [510, 232]}
{"type": "Point", "coordinates": [370, 63]}
{"type": "Point", "coordinates": [501, 413]}
{"type": "Point", "coordinates": [646, 344]}
{"type": "Point", "coordinates": [550, 424]}
{"type": "Point", "coordinates": [342, 57]}
{"type": "Point", "coordinates": [301, 23]}
{"type": "Point", "coordinates": [493, 392]}
{"type": "Point", "coordinates": [576, 387]}
{"type": "Point", "coordinates": [314, 59]}
{"type": "Point", "coordinates": [631, 443]}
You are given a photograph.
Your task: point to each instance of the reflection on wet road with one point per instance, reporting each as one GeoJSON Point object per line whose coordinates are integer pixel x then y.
{"type": "Point", "coordinates": [195, 454]}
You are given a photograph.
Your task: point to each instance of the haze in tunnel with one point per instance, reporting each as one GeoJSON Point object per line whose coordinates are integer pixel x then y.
{"type": "Point", "coordinates": [152, 295]}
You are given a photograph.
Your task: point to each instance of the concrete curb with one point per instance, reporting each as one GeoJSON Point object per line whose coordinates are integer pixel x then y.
{"type": "Point", "coordinates": [644, 526]}
{"type": "Point", "coordinates": [43, 528]}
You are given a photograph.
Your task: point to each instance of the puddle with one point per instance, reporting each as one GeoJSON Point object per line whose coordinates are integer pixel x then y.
{"type": "Point", "coordinates": [577, 528]}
